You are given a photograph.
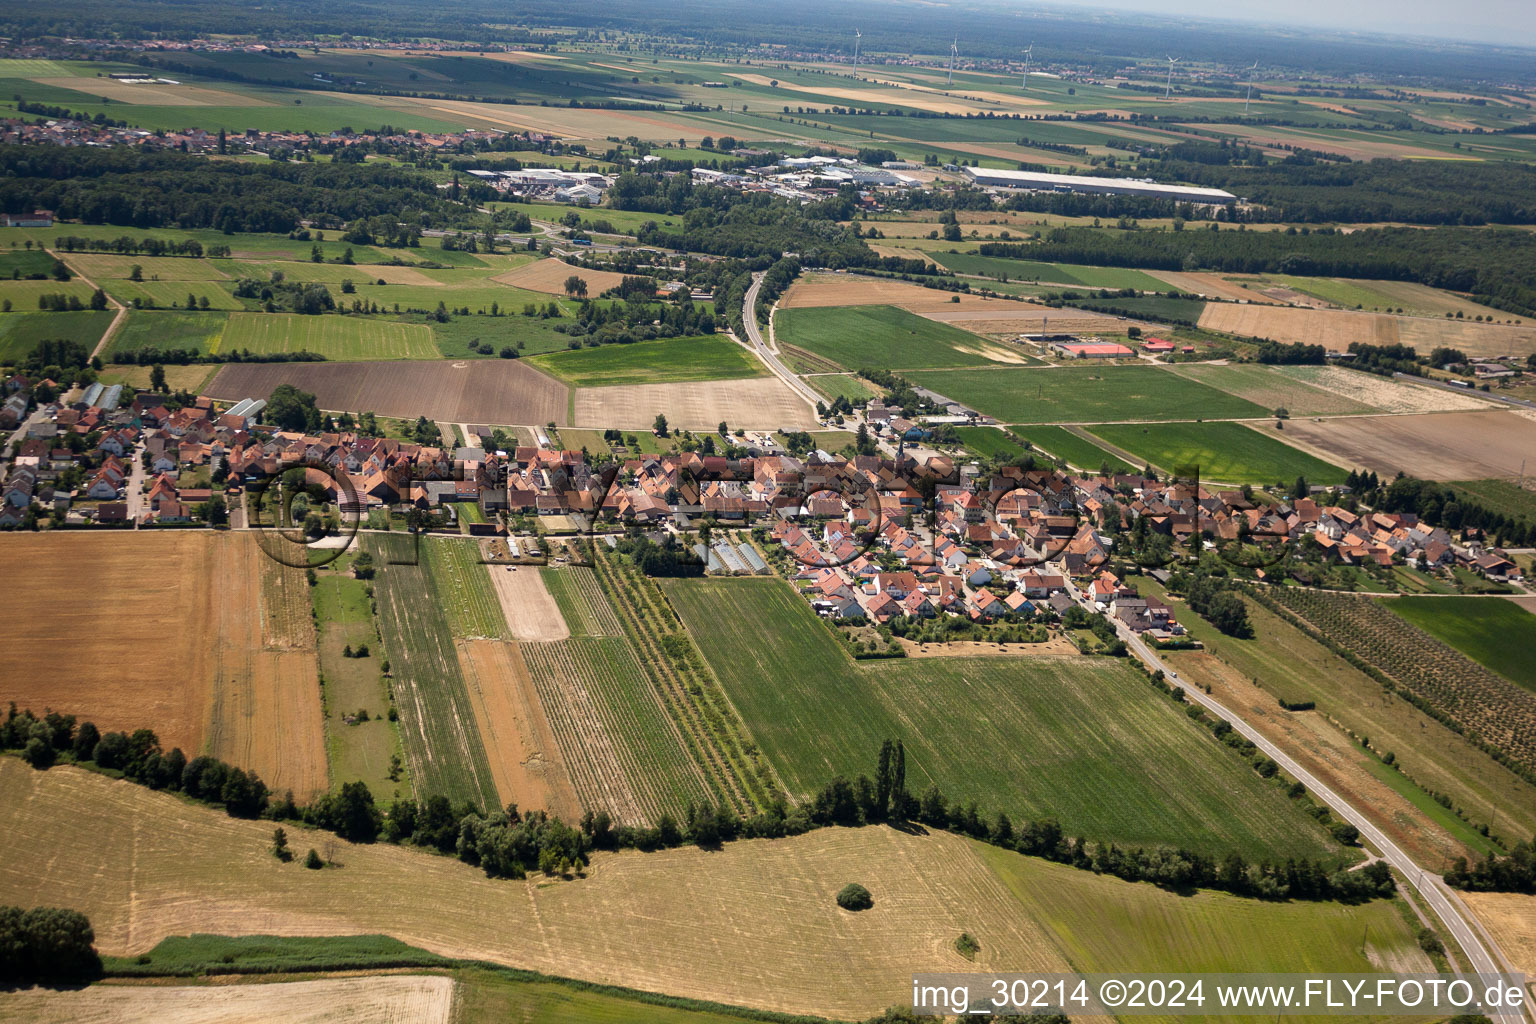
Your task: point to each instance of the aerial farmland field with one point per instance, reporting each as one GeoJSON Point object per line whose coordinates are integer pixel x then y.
{"type": "Point", "coordinates": [1224, 452]}
{"type": "Point", "coordinates": [334, 337]}
{"type": "Point", "coordinates": [1085, 394]}
{"type": "Point", "coordinates": [887, 338]}
{"type": "Point", "coordinates": [680, 921]}
{"type": "Point", "coordinates": [443, 749]}
{"type": "Point", "coordinates": [1495, 633]}
{"type": "Point", "coordinates": [1077, 449]}
{"type": "Point", "coordinates": [20, 332]}
{"type": "Point", "coordinates": [1058, 731]}
{"type": "Point", "coordinates": [715, 357]}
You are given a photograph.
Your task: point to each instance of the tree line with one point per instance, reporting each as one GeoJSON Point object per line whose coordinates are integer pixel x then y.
{"type": "Point", "coordinates": [47, 944]}
{"type": "Point", "coordinates": [152, 189]}
{"type": "Point", "coordinates": [506, 843]}
{"type": "Point", "coordinates": [1515, 873]}
{"type": "Point", "coordinates": [1497, 266]}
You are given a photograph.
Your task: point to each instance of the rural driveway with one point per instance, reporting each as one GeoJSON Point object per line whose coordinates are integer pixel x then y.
{"type": "Point", "coordinates": [135, 491]}
{"type": "Point", "coordinates": [755, 336]}
{"type": "Point", "coordinates": [117, 321]}
{"type": "Point", "coordinates": [1480, 948]}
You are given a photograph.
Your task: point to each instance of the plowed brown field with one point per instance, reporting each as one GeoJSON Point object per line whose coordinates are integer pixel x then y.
{"type": "Point", "coordinates": [469, 391]}
{"type": "Point", "coordinates": [189, 634]}
{"type": "Point", "coordinates": [549, 276]}
{"type": "Point", "coordinates": [1435, 446]}
{"type": "Point", "coordinates": [526, 763]}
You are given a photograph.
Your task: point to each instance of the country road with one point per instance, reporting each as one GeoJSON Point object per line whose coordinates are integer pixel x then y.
{"type": "Point", "coordinates": [1480, 948]}
{"type": "Point", "coordinates": [117, 321]}
{"type": "Point", "coordinates": [769, 358]}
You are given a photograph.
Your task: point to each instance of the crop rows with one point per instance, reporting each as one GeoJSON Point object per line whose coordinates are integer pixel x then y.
{"type": "Point", "coordinates": [437, 721]}
{"type": "Point", "coordinates": [623, 754]}
{"type": "Point", "coordinates": [286, 620]}
{"type": "Point", "coordinates": [463, 587]}
{"type": "Point", "coordinates": [582, 603]}
{"type": "Point", "coordinates": [1440, 680]}
{"type": "Point", "coordinates": [712, 730]}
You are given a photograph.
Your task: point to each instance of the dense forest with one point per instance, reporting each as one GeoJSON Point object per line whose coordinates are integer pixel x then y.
{"type": "Point", "coordinates": [1498, 267]}
{"type": "Point", "coordinates": [135, 188]}
{"type": "Point", "coordinates": [1407, 191]}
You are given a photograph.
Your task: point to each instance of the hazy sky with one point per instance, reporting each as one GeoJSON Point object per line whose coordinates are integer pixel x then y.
{"type": "Point", "coordinates": [1501, 21]}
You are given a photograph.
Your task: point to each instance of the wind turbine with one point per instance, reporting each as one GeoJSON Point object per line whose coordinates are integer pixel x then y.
{"type": "Point", "coordinates": [857, 35]}
{"type": "Point", "coordinates": [1168, 91]}
{"type": "Point", "coordinates": [954, 51]}
{"type": "Point", "coordinates": [1026, 63]}
{"type": "Point", "coordinates": [1250, 86]}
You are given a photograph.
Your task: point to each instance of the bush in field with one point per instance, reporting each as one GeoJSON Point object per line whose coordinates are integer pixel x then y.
{"type": "Point", "coordinates": [855, 897]}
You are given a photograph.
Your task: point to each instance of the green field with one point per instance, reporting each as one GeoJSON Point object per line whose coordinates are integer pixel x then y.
{"type": "Point", "coordinates": [1052, 273]}
{"type": "Point", "coordinates": [169, 294]}
{"type": "Point", "coordinates": [1496, 633]}
{"type": "Point", "coordinates": [1499, 495]}
{"type": "Point", "coordinates": [1291, 665]}
{"type": "Point", "coordinates": [334, 337]}
{"type": "Point", "coordinates": [443, 751]}
{"type": "Point", "coordinates": [1224, 452]}
{"type": "Point", "coordinates": [1061, 443]}
{"type": "Point", "coordinates": [1085, 394]}
{"type": "Point", "coordinates": [714, 357]}
{"type": "Point", "coordinates": [1084, 740]}
{"type": "Point", "coordinates": [492, 333]}
{"type": "Point", "coordinates": [1137, 928]}
{"type": "Point", "coordinates": [20, 332]}
{"type": "Point", "coordinates": [989, 442]}
{"type": "Point", "coordinates": [582, 603]}
{"type": "Point", "coordinates": [360, 750]}
{"type": "Point", "coordinates": [24, 295]}
{"type": "Point", "coordinates": [463, 587]}
{"type": "Point", "coordinates": [196, 332]}
{"type": "Point", "coordinates": [833, 386]}
{"type": "Point", "coordinates": [882, 336]}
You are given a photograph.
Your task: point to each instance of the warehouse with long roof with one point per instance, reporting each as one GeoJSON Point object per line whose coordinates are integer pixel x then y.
{"type": "Point", "coordinates": [1037, 182]}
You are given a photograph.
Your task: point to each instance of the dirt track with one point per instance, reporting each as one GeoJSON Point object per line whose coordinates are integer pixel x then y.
{"type": "Point", "coordinates": [464, 391]}
{"type": "Point", "coordinates": [392, 999]}
{"type": "Point", "coordinates": [761, 403]}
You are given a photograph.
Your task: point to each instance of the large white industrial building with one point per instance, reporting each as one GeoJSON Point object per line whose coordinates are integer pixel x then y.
{"type": "Point", "coordinates": [1036, 182]}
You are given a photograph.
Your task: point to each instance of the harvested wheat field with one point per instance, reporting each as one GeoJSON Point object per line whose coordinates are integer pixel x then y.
{"type": "Point", "coordinates": [1384, 393]}
{"type": "Point", "coordinates": [1271, 388]}
{"type": "Point", "coordinates": [1336, 328]}
{"type": "Point", "coordinates": [381, 999]}
{"type": "Point", "coordinates": [753, 923]}
{"type": "Point", "coordinates": [188, 634]}
{"type": "Point", "coordinates": [549, 276]}
{"type": "Point", "coordinates": [761, 403]}
{"type": "Point", "coordinates": [1510, 917]}
{"type": "Point", "coordinates": [1212, 286]}
{"type": "Point", "coordinates": [525, 759]}
{"type": "Point", "coordinates": [1434, 446]}
{"type": "Point", "coordinates": [468, 391]}
{"type": "Point", "coordinates": [527, 603]}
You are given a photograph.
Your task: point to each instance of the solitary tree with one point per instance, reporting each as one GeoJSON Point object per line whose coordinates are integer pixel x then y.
{"type": "Point", "coordinates": [575, 287]}
{"type": "Point", "coordinates": [157, 378]}
{"type": "Point", "coordinates": [660, 426]}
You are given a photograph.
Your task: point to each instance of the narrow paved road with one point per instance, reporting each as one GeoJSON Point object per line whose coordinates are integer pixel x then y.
{"type": "Point", "coordinates": [1480, 948]}
{"type": "Point", "coordinates": [117, 321]}
{"type": "Point", "coordinates": [755, 336]}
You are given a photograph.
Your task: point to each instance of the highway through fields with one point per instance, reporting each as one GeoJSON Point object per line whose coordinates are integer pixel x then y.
{"type": "Point", "coordinates": [1480, 949]}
